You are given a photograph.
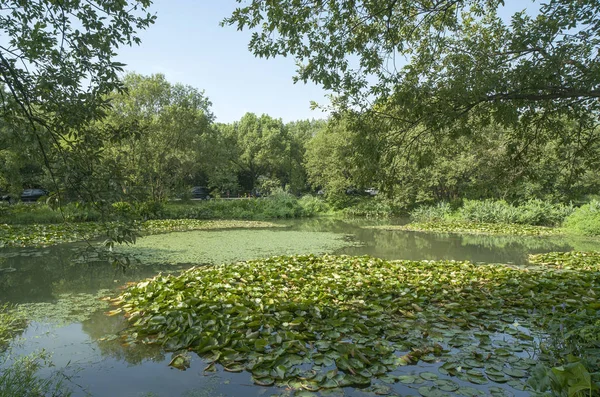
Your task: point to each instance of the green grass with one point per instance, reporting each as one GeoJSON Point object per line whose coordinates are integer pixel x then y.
{"type": "Point", "coordinates": [41, 213]}
{"type": "Point", "coordinates": [19, 377]}
{"type": "Point", "coordinates": [12, 323]}
{"type": "Point", "coordinates": [279, 205]}
{"type": "Point", "coordinates": [369, 208]}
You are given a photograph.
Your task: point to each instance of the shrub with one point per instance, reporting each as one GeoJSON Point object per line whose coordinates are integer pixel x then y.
{"type": "Point", "coordinates": [431, 213]}
{"type": "Point", "coordinates": [532, 212]}
{"type": "Point", "coordinates": [122, 209]}
{"type": "Point", "coordinates": [488, 211]}
{"type": "Point", "coordinates": [543, 213]}
{"type": "Point", "coordinates": [370, 208]}
{"type": "Point", "coordinates": [312, 205]}
{"type": "Point", "coordinates": [282, 204]}
{"type": "Point", "coordinates": [39, 213]}
{"type": "Point", "coordinates": [150, 209]}
{"type": "Point", "coordinates": [585, 220]}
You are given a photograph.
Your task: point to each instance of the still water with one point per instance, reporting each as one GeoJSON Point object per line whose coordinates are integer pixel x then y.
{"type": "Point", "coordinates": [61, 295]}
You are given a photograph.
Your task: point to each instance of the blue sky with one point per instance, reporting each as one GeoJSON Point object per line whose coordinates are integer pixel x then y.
{"type": "Point", "coordinates": [188, 46]}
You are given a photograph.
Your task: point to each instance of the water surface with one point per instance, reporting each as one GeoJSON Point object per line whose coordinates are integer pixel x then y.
{"type": "Point", "coordinates": [61, 296]}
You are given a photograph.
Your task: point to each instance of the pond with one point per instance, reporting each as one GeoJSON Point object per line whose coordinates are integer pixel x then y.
{"type": "Point", "coordinates": [61, 294]}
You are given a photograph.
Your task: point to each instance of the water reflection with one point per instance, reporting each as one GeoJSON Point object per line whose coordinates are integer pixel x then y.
{"type": "Point", "coordinates": [44, 274]}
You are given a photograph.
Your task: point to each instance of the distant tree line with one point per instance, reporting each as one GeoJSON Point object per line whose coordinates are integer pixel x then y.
{"type": "Point", "coordinates": [158, 139]}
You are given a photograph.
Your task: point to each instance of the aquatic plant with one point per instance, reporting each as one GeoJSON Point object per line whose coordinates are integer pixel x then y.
{"type": "Point", "coordinates": [20, 377]}
{"type": "Point", "coordinates": [475, 228]}
{"type": "Point", "coordinates": [214, 246]}
{"type": "Point", "coordinates": [532, 212]}
{"type": "Point", "coordinates": [12, 323]}
{"type": "Point", "coordinates": [312, 323]}
{"type": "Point", "coordinates": [431, 213]}
{"type": "Point", "coordinates": [52, 234]}
{"type": "Point", "coordinates": [370, 208]}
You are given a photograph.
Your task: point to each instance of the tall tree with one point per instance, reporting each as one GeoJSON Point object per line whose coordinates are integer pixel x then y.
{"type": "Point", "coordinates": [261, 148]}
{"type": "Point", "coordinates": [300, 133]}
{"type": "Point", "coordinates": [171, 146]}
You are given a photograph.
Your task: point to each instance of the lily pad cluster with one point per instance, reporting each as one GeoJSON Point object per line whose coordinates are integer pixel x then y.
{"type": "Point", "coordinates": [52, 234]}
{"type": "Point", "coordinates": [181, 225]}
{"type": "Point", "coordinates": [502, 229]}
{"type": "Point", "coordinates": [324, 322]}
{"type": "Point", "coordinates": [570, 260]}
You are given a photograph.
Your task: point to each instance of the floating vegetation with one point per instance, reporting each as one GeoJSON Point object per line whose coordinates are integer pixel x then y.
{"type": "Point", "coordinates": [67, 308]}
{"type": "Point", "coordinates": [52, 234]}
{"type": "Point", "coordinates": [568, 260]}
{"type": "Point", "coordinates": [46, 235]}
{"type": "Point", "coordinates": [182, 225]}
{"type": "Point", "coordinates": [507, 229]}
{"type": "Point", "coordinates": [321, 323]}
{"type": "Point", "coordinates": [230, 246]}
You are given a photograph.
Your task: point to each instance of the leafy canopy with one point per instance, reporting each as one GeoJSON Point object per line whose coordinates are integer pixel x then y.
{"type": "Point", "coordinates": [57, 58]}
{"type": "Point", "coordinates": [433, 62]}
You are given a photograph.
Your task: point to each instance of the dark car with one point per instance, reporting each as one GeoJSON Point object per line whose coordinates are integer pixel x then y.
{"type": "Point", "coordinates": [200, 192]}
{"type": "Point", "coordinates": [30, 195]}
{"type": "Point", "coordinates": [6, 197]}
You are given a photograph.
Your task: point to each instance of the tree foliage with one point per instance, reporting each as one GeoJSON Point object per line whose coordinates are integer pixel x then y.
{"type": "Point", "coordinates": [265, 151]}
{"type": "Point", "coordinates": [57, 69]}
{"type": "Point", "coordinates": [432, 64]}
{"type": "Point", "coordinates": [411, 168]}
{"type": "Point", "coordinates": [57, 61]}
{"type": "Point", "coordinates": [167, 143]}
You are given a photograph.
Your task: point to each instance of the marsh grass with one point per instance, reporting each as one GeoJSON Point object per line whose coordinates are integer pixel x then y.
{"type": "Point", "coordinates": [369, 208]}
{"type": "Point", "coordinates": [12, 323]}
{"type": "Point", "coordinates": [20, 377]}
{"type": "Point", "coordinates": [532, 212]}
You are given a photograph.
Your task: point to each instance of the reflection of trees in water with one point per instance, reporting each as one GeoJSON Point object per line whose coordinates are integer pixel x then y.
{"type": "Point", "coordinates": [334, 225]}
{"type": "Point", "coordinates": [99, 326]}
{"type": "Point", "coordinates": [397, 244]}
{"type": "Point", "coordinates": [516, 242]}
{"type": "Point", "coordinates": [42, 275]}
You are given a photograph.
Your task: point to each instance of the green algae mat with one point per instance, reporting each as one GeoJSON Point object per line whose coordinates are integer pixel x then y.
{"type": "Point", "coordinates": [227, 246]}
{"type": "Point", "coordinates": [316, 324]}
